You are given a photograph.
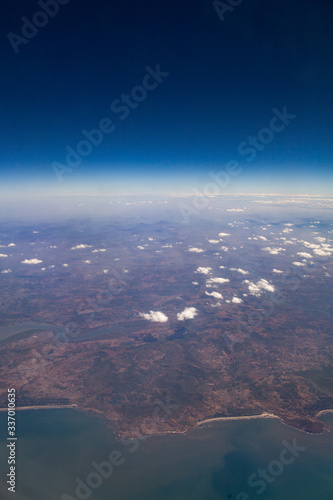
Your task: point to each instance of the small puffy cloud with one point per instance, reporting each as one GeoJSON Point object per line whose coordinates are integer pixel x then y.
{"type": "Point", "coordinates": [305, 255]}
{"type": "Point", "coordinates": [257, 288]}
{"type": "Point", "coordinates": [262, 238]}
{"type": "Point", "coordinates": [277, 271]}
{"type": "Point", "coordinates": [274, 250]}
{"type": "Point", "coordinates": [12, 245]}
{"type": "Point", "coordinates": [216, 295]}
{"type": "Point", "coordinates": [317, 238]}
{"type": "Point", "coordinates": [287, 230]}
{"type": "Point", "coordinates": [224, 234]}
{"type": "Point", "coordinates": [203, 270]}
{"type": "Point", "coordinates": [239, 270]}
{"type": "Point", "coordinates": [3, 255]}
{"type": "Point", "coordinates": [298, 264]}
{"type": "Point", "coordinates": [214, 241]}
{"type": "Point", "coordinates": [31, 261]}
{"type": "Point", "coordinates": [79, 247]}
{"type": "Point", "coordinates": [235, 209]}
{"type": "Point", "coordinates": [157, 316]}
{"type": "Point", "coordinates": [141, 247]}
{"type": "Point", "coordinates": [195, 283]}
{"type": "Point", "coordinates": [321, 252]}
{"type": "Point", "coordinates": [87, 261]}
{"type": "Point", "coordinates": [196, 250]}
{"type": "Point", "coordinates": [65, 265]}
{"type": "Point", "coordinates": [105, 271]}
{"type": "Point", "coordinates": [217, 280]}
{"type": "Point", "coordinates": [310, 245]}
{"type": "Point", "coordinates": [288, 224]}
{"type": "Point", "coordinates": [6, 271]}
{"type": "Point", "coordinates": [236, 300]}
{"type": "Point", "coordinates": [188, 313]}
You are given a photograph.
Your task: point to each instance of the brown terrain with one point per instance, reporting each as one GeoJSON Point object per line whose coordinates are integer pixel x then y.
{"type": "Point", "coordinates": [148, 377]}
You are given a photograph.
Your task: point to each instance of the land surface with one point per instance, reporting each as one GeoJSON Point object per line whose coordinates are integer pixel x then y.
{"type": "Point", "coordinates": [267, 352]}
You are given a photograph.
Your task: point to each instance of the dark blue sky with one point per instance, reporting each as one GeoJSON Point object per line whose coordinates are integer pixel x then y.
{"type": "Point", "coordinates": [225, 78]}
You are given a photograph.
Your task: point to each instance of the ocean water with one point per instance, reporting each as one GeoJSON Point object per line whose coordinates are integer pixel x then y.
{"type": "Point", "coordinates": [56, 450]}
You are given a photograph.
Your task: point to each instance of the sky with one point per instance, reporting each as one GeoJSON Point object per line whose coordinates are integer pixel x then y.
{"type": "Point", "coordinates": [156, 97]}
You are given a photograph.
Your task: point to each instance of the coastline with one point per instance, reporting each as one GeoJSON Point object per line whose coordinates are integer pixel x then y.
{"type": "Point", "coordinates": [45, 407]}
{"type": "Point", "coordinates": [264, 415]}
{"type": "Point", "coordinates": [243, 417]}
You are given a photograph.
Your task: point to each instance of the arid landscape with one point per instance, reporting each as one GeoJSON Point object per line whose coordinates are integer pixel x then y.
{"type": "Point", "coordinates": [161, 325]}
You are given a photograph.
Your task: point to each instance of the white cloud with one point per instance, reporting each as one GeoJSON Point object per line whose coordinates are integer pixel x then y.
{"type": "Point", "coordinates": [263, 238]}
{"type": "Point", "coordinates": [310, 245]}
{"type": "Point", "coordinates": [218, 280]}
{"type": "Point", "coordinates": [235, 210]}
{"type": "Point", "coordinates": [87, 261]}
{"type": "Point", "coordinates": [317, 238]}
{"type": "Point", "coordinates": [141, 248]}
{"type": "Point", "coordinates": [12, 245]}
{"type": "Point", "coordinates": [78, 247]}
{"type": "Point", "coordinates": [287, 230]}
{"type": "Point", "coordinates": [6, 271]}
{"type": "Point", "coordinates": [3, 255]}
{"type": "Point", "coordinates": [105, 271]}
{"type": "Point", "coordinates": [321, 252]}
{"type": "Point", "coordinates": [277, 271]}
{"type": "Point", "coordinates": [274, 250]}
{"type": "Point", "coordinates": [31, 261]}
{"type": "Point", "coordinates": [305, 255]}
{"type": "Point", "coordinates": [224, 234]}
{"type": "Point", "coordinates": [216, 295]}
{"type": "Point", "coordinates": [195, 283]}
{"type": "Point", "coordinates": [236, 300]}
{"type": "Point", "coordinates": [241, 271]}
{"type": "Point", "coordinates": [214, 241]}
{"type": "Point", "coordinates": [157, 316]}
{"type": "Point", "coordinates": [256, 288]}
{"type": "Point", "coordinates": [203, 270]}
{"type": "Point", "coordinates": [65, 265]}
{"type": "Point", "coordinates": [188, 313]}
{"type": "Point", "coordinates": [298, 264]}
{"type": "Point", "coordinates": [196, 250]}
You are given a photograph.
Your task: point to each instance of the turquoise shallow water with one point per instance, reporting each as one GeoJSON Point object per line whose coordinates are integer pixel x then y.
{"type": "Point", "coordinates": [56, 449]}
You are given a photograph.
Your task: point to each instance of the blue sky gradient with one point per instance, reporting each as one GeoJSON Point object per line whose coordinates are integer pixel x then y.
{"type": "Point", "coordinates": [177, 92]}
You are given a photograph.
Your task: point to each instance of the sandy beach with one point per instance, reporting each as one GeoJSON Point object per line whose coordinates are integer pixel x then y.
{"type": "Point", "coordinates": [245, 417]}
{"type": "Point", "coordinates": [51, 407]}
